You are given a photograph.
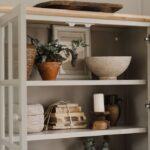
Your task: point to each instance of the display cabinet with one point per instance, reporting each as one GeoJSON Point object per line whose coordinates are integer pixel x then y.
{"type": "Point", "coordinates": [111, 35]}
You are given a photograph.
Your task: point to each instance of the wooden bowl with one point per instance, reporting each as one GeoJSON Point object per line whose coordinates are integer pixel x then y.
{"type": "Point", "coordinates": [81, 6]}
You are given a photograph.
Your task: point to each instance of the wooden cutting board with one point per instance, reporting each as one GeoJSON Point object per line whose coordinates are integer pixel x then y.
{"type": "Point", "coordinates": [81, 6]}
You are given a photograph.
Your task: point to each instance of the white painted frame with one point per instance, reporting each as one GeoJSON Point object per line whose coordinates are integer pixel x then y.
{"type": "Point", "coordinates": [8, 140]}
{"type": "Point", "coordinates": [148, 85]}
{"type": "Point", "coordinates": [71, 30]}
{"type": "Point", "coordinates": [87, 21]}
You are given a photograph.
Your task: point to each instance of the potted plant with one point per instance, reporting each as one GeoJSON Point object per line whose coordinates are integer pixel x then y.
{"type": "Point", "coordinates": [51, 55]}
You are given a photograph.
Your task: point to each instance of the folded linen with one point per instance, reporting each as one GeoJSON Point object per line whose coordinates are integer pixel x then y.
{"type": "Point", "coordinates": [34, 109]}
{"type": "Point", "coordinates": [30, 128]}
{"type": "Point", "coordinates": [34, 124]}
{"type": "Point", "coordinates": [35, 128]}
{"type": "Point", "coordinates": [35, 120]}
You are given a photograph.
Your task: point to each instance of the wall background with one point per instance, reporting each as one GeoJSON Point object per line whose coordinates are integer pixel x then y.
{"type": "Point", "coordinates": [130, 6]}
{"type": "Point", "coordinates": [146, 7]}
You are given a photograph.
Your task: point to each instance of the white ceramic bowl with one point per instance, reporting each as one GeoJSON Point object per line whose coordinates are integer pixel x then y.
{"type": "Point", "coordinates": [108, 67]}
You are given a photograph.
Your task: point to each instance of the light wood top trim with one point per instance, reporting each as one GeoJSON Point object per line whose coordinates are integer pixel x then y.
{"type": "Point", "coordinates": [5, 9]}
{"type": "Point", "coordinates": [80, 14]}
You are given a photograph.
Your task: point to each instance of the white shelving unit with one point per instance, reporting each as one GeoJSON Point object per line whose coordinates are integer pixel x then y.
{"type": "Point", "coordinates": [13, 80]}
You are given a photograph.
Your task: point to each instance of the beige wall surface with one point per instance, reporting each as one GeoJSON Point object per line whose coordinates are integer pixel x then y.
{"type": "Point", "coordinates": [146, 7]}
{"type": "Point", "coordinates": [130, 6]}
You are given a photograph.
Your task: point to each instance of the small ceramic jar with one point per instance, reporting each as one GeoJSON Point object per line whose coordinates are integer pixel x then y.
{"type": "Point", "coordinates": [112, 103]}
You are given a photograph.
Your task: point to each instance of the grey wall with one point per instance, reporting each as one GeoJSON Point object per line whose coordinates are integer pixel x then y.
{"type": "Point", "coordinates": [130, 6]}
{"type": "Point", "coordinates": [146, 7]}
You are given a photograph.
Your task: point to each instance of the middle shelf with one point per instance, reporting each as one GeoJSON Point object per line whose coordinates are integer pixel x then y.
{"type": "Point", "coordinates": [75, 133]}
{"type": "Point", "coordinates": [85, 82]}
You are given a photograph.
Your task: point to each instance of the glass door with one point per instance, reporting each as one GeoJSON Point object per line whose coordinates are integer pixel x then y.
{"type": "Point", "coordinates": [13, 93]}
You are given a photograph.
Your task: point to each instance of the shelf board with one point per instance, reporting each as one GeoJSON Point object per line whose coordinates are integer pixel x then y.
{"type": "Point", "coordinates": [81, 17]}
{"type": "Point", "coordinates": [75, 133]}
{"type": "Point", "coordinates": [85, 82]}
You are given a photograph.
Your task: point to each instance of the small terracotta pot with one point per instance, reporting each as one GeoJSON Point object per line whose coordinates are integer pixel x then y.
{"type": "Point", "coordinates": [49, 70]}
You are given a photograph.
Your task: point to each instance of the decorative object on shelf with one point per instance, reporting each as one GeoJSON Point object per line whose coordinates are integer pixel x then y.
{"type": "Point", "coordinates": [105, 145]}
{"type": "Point", "coordinates": [65, 35]}
{"type": "Point", "coordinates": [99, 121]}
{"type": "Point", "coordinates": [89, 144]}
{"type": "Point", "coordinates": [99, 105]}
{"type": "Point", "coordinates": [112, 103]}
{"type": "Point", "coordinates": [81, 6]}
{"type": "Point", "coordinates": [35, 118]}
{"type": "Point", "coordinates": [49, 70]}
{"type": "Point", "coordinates": [54, 53]}
{"type": "Point", "coordinates": [100, 125]}
{"type": "Point", "coordinates": [108, 67]}
{"type": "Point", "coordinates": [35, 123]}
{"type": "Point", "coordinates": [63, 115]}
{"type": "Point", "coordinates": [31, 54]}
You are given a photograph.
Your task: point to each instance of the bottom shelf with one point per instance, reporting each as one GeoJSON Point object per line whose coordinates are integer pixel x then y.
{"type": "Point", "coordinates": [74, 133]}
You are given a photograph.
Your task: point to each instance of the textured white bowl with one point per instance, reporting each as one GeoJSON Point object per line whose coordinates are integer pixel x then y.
{"type": "Point", "coordinates": [108, 67]}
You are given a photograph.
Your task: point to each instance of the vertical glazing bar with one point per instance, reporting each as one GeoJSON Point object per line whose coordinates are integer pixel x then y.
{"type": "Point", "coordinates": [10, 54]}
{"type": "Point", "coordinates": [10, 107]}
{"type": "Point", "coordinates": [2, 47]}
{"type": "Point", "coordinates": [10, 88]}
{"type": "Point", "coordinates": [2, 88]}
{"type": "Point", "coordinates": [22, 75]}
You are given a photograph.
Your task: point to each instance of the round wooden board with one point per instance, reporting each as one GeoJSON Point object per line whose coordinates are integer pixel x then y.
{"type": "Point", "coordinates": [81, 6]}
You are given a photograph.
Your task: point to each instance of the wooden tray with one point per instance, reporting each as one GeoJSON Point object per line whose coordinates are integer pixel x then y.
{"type": "Point", "coordinates": [81, 6]}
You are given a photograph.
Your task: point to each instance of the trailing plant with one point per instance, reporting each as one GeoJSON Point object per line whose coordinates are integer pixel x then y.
{"type": "Point", "coordinates": [56, 52]}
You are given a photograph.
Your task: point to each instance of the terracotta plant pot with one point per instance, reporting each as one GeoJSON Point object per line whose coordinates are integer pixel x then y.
{"type": "Point", "coordinates": [49, 70]}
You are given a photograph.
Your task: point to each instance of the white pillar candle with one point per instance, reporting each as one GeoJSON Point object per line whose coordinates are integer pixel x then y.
{"type": "Point", "coordinates": [99, 103]}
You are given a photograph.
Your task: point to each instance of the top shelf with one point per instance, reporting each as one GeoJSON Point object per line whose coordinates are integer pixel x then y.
{"type": "Point", "coordinates": [82, 17]}
{"type": "Point", "coordinates": [86, 14]}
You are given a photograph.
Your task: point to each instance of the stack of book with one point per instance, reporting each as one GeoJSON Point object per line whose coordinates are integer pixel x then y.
{"type": "Point", "coordinates": [66, 116]}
